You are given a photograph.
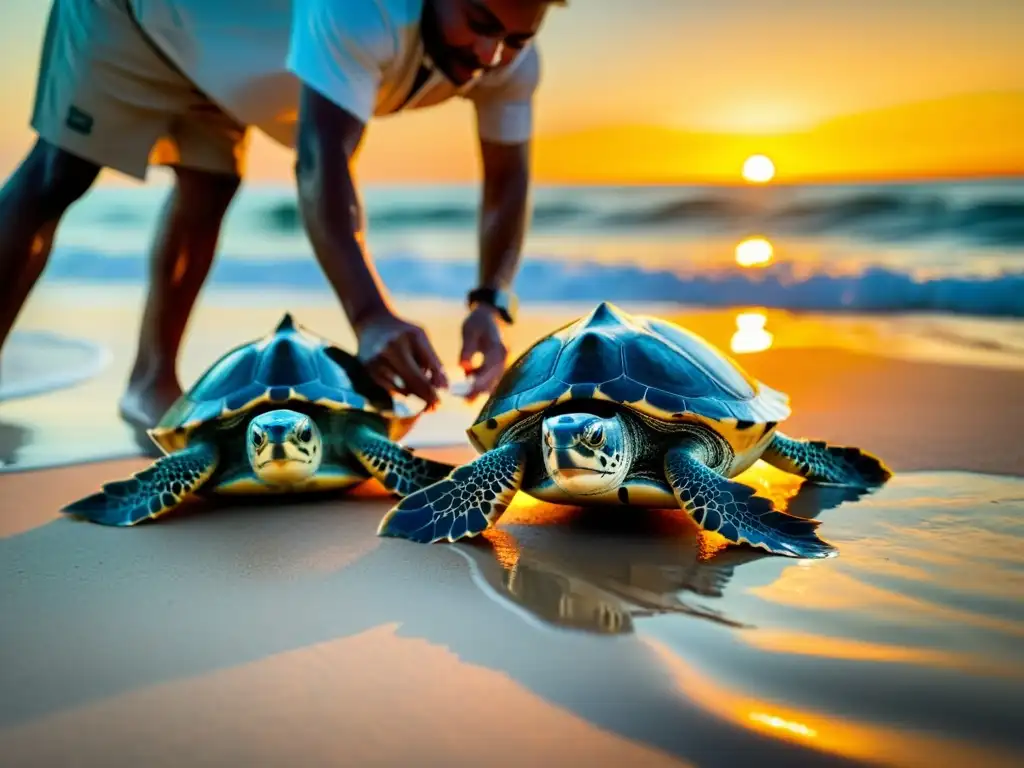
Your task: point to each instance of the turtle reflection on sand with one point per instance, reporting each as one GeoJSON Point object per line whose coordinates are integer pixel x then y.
{"type": "Point", "coordinates": [596, 571]}
{"type": "Point", "coordinates": [609, 605]}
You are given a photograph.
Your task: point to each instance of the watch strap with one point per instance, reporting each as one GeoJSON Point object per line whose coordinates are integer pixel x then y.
{"type": "Point", "coordinates": [503, 301]}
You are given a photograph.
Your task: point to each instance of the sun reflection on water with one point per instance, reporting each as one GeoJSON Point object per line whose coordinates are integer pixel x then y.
{"type": "Point", "coordinates": [754, 252]}
{"type": "Point", "coordinates": [750, 335]}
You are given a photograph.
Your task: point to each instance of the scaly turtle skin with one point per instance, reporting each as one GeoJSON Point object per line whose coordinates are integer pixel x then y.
{"type": "Point", "coordinates": [289, 412]}
{"type": "Point", "coordinates": [622, 409]}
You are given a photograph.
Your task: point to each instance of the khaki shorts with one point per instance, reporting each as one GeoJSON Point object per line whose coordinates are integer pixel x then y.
{"type": "Point", "coordinates": [106, 93]}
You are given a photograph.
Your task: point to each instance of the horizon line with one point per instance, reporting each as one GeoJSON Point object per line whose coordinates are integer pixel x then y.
{"type": "Point", "coordinates": [716, 181]}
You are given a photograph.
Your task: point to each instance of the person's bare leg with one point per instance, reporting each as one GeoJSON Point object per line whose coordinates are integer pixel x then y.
{"type": "Point", "coordinates": [32, 202]}
{"type": "Point", "coordinates": [182, 255]}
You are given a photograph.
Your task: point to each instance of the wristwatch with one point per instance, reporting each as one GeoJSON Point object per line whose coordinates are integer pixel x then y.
{"type": "Point", "coordinates": [504, 301]}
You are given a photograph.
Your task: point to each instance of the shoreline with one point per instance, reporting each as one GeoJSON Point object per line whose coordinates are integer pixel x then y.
{"type": "Point", "coordinates": [853, 382]}
{"type": "Point", "coordinates": [109, 318]}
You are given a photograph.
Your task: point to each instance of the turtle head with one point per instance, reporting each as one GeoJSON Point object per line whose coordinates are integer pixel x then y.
{"type": "Point", "coordinates": [284, 447]}
{"type": "Point", "coordinates": [585, 454]}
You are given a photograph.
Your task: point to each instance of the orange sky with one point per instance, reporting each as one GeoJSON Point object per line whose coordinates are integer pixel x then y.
{"type": "Point", "coordinates": [672, 91]}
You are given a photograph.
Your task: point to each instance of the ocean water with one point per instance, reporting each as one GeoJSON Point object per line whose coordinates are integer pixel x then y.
{"type": "Point", "coordinates": [949, 247]}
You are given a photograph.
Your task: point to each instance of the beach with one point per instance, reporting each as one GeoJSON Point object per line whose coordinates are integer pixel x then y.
{"type": "Point", "coordinates": [834, 199]}
{"type": "Point", "coordinates": [286, 632]}
{"type": "Point", "coordinates": [289, 633]}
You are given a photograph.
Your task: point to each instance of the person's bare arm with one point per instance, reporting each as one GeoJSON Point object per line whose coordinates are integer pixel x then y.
{"type": "Point", "coordinates": [503, 220]}
{"type": "Point", "coordinates": [327, 140]}
{"type": "Point", "coordinates": [504, 212]}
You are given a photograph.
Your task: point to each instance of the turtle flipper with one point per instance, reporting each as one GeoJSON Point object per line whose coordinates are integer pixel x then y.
{"type": "Point", "coordinates": [396, 467]}
{"type": "Point", "coordinates": [820, 462]}
{"type": "Point", "coordinates": [151, 492]}
{"type": "Point", "coordinates": [731, 509]}
{"type": "Point", "coordinates": [463, 504]}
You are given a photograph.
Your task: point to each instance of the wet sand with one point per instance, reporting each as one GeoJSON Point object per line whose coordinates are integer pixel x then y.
{"type": "Point", "coordinates": [853, 378]}
{"type": "Point", "coordinates": [38, 362]}
{"type": "Point", "coordinates": [290, 634]}
{"type": "Point", "coordinates": [293, 635]}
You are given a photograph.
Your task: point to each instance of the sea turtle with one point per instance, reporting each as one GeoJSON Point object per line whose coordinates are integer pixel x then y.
{"type": "Point", "coordinates": [632, 410]}
{"type": "Point", "coordinates": [284, 413]}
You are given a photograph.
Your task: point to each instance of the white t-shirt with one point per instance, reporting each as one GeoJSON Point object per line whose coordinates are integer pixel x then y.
{"type": "Point", "coordinates": [361, 54]}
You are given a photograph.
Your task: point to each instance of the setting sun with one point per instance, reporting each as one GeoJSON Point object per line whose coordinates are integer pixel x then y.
{"type": "Point", "coordinates": [758, 169]}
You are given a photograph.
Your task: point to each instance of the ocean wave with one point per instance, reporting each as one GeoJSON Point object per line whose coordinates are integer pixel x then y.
{"type": "Point", "coordinates": [890, 216]}
{"type": "Point", "coordinates": [874, 214]}
{"type": "Point", "coordinates": [781, 285]}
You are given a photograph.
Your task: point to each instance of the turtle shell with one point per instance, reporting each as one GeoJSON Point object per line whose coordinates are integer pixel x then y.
{"type": "Point", "coordinates": [645, 363]}
{"type": "Point", "coordinates": [291, 364]}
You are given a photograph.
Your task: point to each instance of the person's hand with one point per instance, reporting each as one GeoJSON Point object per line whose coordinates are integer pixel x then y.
{"type": "Point", "coordinates": [482, 334]}
{"type": "Point", "coordinates": [399, 357]}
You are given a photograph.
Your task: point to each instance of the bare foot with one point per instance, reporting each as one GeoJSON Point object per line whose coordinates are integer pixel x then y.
{"type": "Point", "coordinates": [142, 406]}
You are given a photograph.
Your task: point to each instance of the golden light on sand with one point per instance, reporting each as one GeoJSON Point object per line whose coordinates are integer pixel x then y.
{"type": "Point", "coordinates": [758, 169]}
{"type": "Point", "coordinates": [845, 737]}
{"type": "Point", "coordinates": [773, 721]}
{"type": "Point", "coordinates": [750, 335]}
{"type": "Point", "coordinates": [754, 252]}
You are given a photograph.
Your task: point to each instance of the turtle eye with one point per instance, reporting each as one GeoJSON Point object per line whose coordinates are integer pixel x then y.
{"type": "Point", "coordinates": [257, 438]}
{"type": "Point", "coordinates": [306, 433]}
{"type": "Point", "coordinates": [595, 435]}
